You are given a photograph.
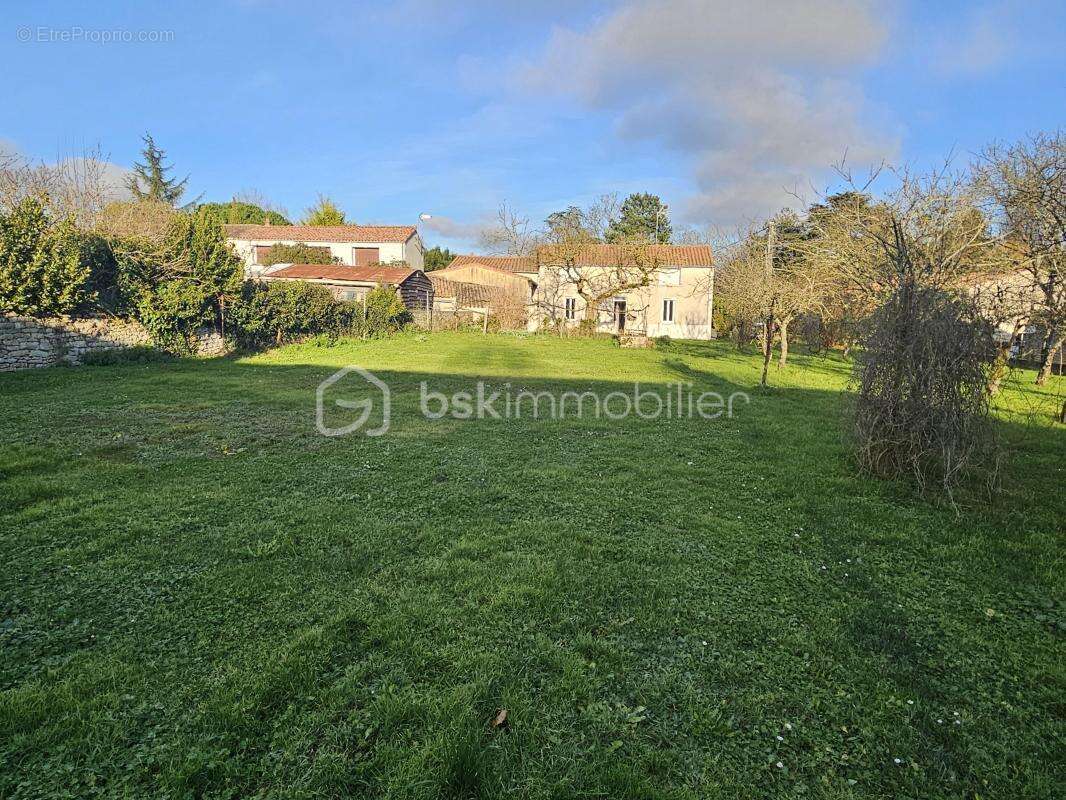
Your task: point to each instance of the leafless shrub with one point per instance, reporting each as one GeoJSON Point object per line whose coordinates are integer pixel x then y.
{"type": "Point", "coordinates": [147, 220]}
{"type": "Point", "coordinates": [509, 313]}
{"type": "Point", "coordinates": [922, 405]}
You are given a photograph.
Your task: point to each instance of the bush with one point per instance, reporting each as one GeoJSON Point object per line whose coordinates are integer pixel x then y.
{"type": "Point", "coordinates": [45, 267]}
{"type": "Point", "coordinates": [182, 277]}
{"type": "Point", "coordinates": [125, 355]}
{"type": "Point", "coordinates": [172, 312]}
{"type": "Point", "coordinates": [237, 212]}
{"type": "Point", "coordinates": [922, 407]}
{"type": "Point", "coordinates": [276, 311]}
{"type": "Point", "coordinates": [297, 254]}
{"type": "Point", "coordinates": [385, 313]}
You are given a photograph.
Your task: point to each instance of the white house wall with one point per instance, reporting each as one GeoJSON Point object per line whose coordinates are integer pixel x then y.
{"type": "Point", "coordinates": [691, 289]}
{"type": "Point", "coordinates": [409, 251]}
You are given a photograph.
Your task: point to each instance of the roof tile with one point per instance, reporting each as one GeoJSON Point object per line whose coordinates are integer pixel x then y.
{"type": "Point", "coordinates": [342, 272]}
{"type": "Point", "coordinates": [320, 233]}
{"type": "Point", "coordinates": [604, 255]}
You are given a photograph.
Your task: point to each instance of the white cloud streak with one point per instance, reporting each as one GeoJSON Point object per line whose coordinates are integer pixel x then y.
{"type": "Point", "coordinates": [452, 229]}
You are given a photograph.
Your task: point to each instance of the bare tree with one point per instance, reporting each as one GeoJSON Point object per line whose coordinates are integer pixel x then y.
{"type": "Point", "coordinates": [770, 279]}
{"type": "Point", "coordinates": [75, 186]}
{"type": "Point", "coordinates": [511, 234]}
{"type": "Point", "coordinates": [1023, 187]}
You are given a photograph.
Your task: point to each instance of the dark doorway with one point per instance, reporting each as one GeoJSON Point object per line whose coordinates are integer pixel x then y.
{"type": "Point", "coordinates": [620, 315]}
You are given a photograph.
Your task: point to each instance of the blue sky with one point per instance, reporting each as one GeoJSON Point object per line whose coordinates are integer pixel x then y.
{"type": "Point", "coordinates": [727, 110]}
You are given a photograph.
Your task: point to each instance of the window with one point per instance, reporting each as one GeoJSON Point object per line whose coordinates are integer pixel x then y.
{"type": "Point", "coordinates": [571, 308]}
{"type": "Point", "coordinates": [365, 256]}
{"type": "Point", "coordinates": [668, 310]}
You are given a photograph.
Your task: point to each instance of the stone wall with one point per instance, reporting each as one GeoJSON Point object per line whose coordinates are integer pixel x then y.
{"type": "Point", "coordinates": [26, 342]}
{"type": "Point", "coordinates": [29, 342]}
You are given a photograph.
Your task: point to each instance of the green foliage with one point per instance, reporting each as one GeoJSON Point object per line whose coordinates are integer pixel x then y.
{"type": "Point", "coordinates": [385, 312]}
{"type": "Point", "coordinates": [643, 218]}
{"type": "Point", "coordinates": [173, 311]}
{"type": "Point", "coordinates": [150, 180]}
{"type": "Point", "coordinates": [299, 253]}
{"type": "Point", "coordinates": [436, 258]}
{"type": "Point", "coordinates": [236, 212]}
{"type": "Point", "coordinates": [185, 283]}
{"type": "Point", "coordinates": [272, 312]}
{"type": "Point", "coordinates": [138, 354]}
{"type": "Point", "coordinates": [212, 263]}
{"type": "Point", "coordinates": [63, 268]}
{"type": "Point", "coordinates": [324, 212]}
{"type": "Point", "coordinates": [45, 267]}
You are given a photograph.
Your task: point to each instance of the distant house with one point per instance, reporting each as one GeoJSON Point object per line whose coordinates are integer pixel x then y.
{"type": "Point", "coordinates": [518, 266]}
{"type": "Point", "coordinates": [352, 283]}
{"type": "Point", "coordinates": [459, 297]}
{"type": "Point", "coordinates": [501, 278]}
{"type": "Point", "coordinates": [358, 245]}
{"type": "Point", "coordinates": [674, 296]}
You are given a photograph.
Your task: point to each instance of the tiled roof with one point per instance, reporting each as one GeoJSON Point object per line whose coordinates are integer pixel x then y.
{"type": "Point", "coordinates": [603, 255]}
{"type": "Point", "coordinates": [609, 255]}
{"type": "Point", "coordinates": [467, 295]}
{"type": "Point", "coordinates": [343, 272]}
{"type": "Point", "coordinates": [320, 233]}
{"type": "Point", "coordinates": [505, 263]}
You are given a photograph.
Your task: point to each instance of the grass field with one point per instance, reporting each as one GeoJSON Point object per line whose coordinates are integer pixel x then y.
{"type": "Point", "coordinates": [201, 596]}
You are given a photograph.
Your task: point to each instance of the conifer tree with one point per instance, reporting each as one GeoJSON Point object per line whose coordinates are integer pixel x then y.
{"type": "Point", "coordinates": [150, 180]}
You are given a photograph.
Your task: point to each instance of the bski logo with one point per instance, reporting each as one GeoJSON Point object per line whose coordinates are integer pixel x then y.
{"type": "Point", "coordinates": [365, 407]}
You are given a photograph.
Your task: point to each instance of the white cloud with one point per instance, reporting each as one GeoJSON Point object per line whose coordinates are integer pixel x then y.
{"type": "Point", "coordinates": [757, 95]}
{"type": "Point", "coordinates": [452, 229]}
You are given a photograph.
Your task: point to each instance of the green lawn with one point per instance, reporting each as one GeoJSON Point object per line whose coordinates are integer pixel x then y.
{"type": "Point", "coordinates": [201, 596]}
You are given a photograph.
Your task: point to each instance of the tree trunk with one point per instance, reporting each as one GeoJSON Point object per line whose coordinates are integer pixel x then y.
{"type": "Point", "coordinates": [768, 345]}
{"type": "Point", "coordinates": [783, 327]}
{"type": "Point", "coordinates": [999, 366]}
{"type": "Point", "coordinates": [1050, 350]}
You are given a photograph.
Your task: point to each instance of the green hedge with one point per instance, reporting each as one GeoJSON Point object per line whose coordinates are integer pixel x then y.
{"type": "Point", "coordinates": [46, 266]}
{"type": "Point", "coordinates": [274, 312]}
